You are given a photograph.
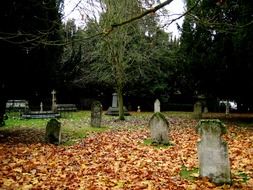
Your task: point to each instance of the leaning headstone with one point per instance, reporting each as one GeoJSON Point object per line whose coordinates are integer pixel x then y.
{"type": "Point", "coordinates": [53, 131]}
{"type": "Point", "coordinates": [213, 152]}
{"type": "Point", "coordinates": [159, 128]}
{"type": "Point", "coordinates": [157, 106]}
{"type": "Point", "coordinates": [197, 110]}
{"type": "Point", "coordinates": [96, 114]}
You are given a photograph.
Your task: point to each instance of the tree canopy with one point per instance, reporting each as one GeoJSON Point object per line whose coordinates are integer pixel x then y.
{"type": "Point", "coordinates": [29, 59]}
{"type": "Point", "coordinates": [125, 48]}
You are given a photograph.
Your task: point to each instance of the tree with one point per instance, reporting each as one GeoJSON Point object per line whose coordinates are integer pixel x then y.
{"type": "Point", "coordinates": [210, 48]}
{"type": "Point", "coordinates": [29, 31]}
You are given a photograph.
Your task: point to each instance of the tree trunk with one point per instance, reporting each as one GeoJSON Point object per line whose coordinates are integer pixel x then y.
{"type": "Point", "coordinates": [120, 103]}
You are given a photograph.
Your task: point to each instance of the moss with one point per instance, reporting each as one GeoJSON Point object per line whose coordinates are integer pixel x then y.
{"type": "Point", "coordinates": [160, 116]}
{"type": "Point", "coordinates": [210, 122]}
{"type": "Point", "coordinates": [149, 142]}
{"type": "Point", "coordinates": [243, 176]}
{"type": "Point", "coordinates": [189, 174]}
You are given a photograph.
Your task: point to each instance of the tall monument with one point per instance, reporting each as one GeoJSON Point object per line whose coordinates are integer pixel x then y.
{"type": "Point", "coordinates": [114, 109]}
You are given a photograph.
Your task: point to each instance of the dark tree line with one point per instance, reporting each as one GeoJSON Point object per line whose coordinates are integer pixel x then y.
{"type": "Point", "coordinates": [216, 49]}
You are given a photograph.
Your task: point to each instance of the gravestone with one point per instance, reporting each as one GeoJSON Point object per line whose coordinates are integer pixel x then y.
{"type": "Point", "coordinates": [96, 114]}
{"type": "Point", "coordinates": [41, 107]}
{"type": "Point", "coordinates": [53, 131]}
{"type": "Point", "coordinates": [114, 110]}
{"type": "Point", "coordinates": [157, 106]}
{"type": "Point", "coordinates": [205, 109]}
{"type": "Point", "coordinates": [138, 108]}
{"type": "Point", "coordinates": [197, 110]}
{"type": "Point", "coordinates": [213, 152]}
{"type": "Point", "coordinates": [114, 100]}
{"type": "Point", "coordinates": [159, 128]}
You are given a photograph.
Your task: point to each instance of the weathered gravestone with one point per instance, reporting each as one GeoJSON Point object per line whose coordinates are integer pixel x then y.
{"type": "Point", "coordinates": [159, 128]}
{"type": "Point", "coordinates": [96, 114]}
{"type": "Point", "coordinates": [53, 131]}
{"type": "Point", "coordinates": [197, 110]}
{"type": "Point", "coordinates": [213, 152]}
{"type": "Point", "coordinates": [157, 105]}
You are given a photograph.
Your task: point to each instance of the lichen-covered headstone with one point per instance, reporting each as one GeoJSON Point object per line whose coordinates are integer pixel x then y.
{"type": "Point", "coordinates": [53, 131]}
{"type": "Point", "coordinates": [96, 114]}
{"type": "Point", "coordinates": [213, 152]}
{"type": "Point", "coordinates": [159, 128]}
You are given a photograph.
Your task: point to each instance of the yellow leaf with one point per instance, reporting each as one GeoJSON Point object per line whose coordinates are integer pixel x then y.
{"type": "Point", "coordinates": [8, 182]}
{"type": "Point", "coordinates": [149, 184]}
{"type": "Point", "coordinates": [194, 175]}
{"type": "Point", "coordinates": [120, 184]}
{"type": "Point", "coordinates": [27, 187]}
{"type": "Point", "coordinates": [191, 187]}
{"type": "Point", "coordinates": [18, 170]}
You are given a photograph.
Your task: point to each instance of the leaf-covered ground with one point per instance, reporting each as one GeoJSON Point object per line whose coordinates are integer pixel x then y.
{"type": "Point", "coordinates": [119, 159]}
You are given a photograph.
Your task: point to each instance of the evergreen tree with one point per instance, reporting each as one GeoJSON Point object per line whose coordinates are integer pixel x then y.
{"type": "Point", "coordinates": [29, 31]}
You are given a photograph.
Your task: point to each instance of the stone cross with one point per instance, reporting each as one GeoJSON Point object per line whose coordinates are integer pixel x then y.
{"type": "Point", "coordinates": [114, 100]}
{"type": "Point", "coordinates": [41, 107]}
{"type": "Point", "coordinates": [157, 106]}
{"type": "Point", "coordinates": [213, 152]}
{"type": "Point", "coordinates": [96, 114]}
{"type": "Point", "coordinates": [159, 128]}
{"type": "Point", "coordinates": [54, 108]}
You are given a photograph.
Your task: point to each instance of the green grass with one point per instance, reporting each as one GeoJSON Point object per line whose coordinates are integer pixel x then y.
{"type": "Point", "coordinates": [243, 177]}
{"type": "Point", "coordinates": [189, 174]}
{"type": "Point", "coordinates": [73, 135]}
{"type": "Point", "coordinates": [75, 126]}
{"type": "Point", "coordinates": [16, 122]}
{"type": "Point", "coordinates": [179, 114]}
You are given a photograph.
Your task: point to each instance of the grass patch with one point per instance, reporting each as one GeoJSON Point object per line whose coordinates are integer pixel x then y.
{"type": "Point", "coordinates": [73, 135]}
{"type": "Point", "coordinates": [77, 115]}
{"type": "Point", "coordinates": [75, 126]}
{"type": "Point", "coordinates": [243, 177]}
{"type": "Point", "coordinates": [179, 114]}
{"type": "Point", "coordinates": [189, 174]}
{"type": "Point", "coordinates": [16, 122]}
{"type": "Point", "coordinates": [149, 142]}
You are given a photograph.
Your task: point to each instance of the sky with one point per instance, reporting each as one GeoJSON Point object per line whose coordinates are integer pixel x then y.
{"type": "Point", "coordinates": [176, 7]}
